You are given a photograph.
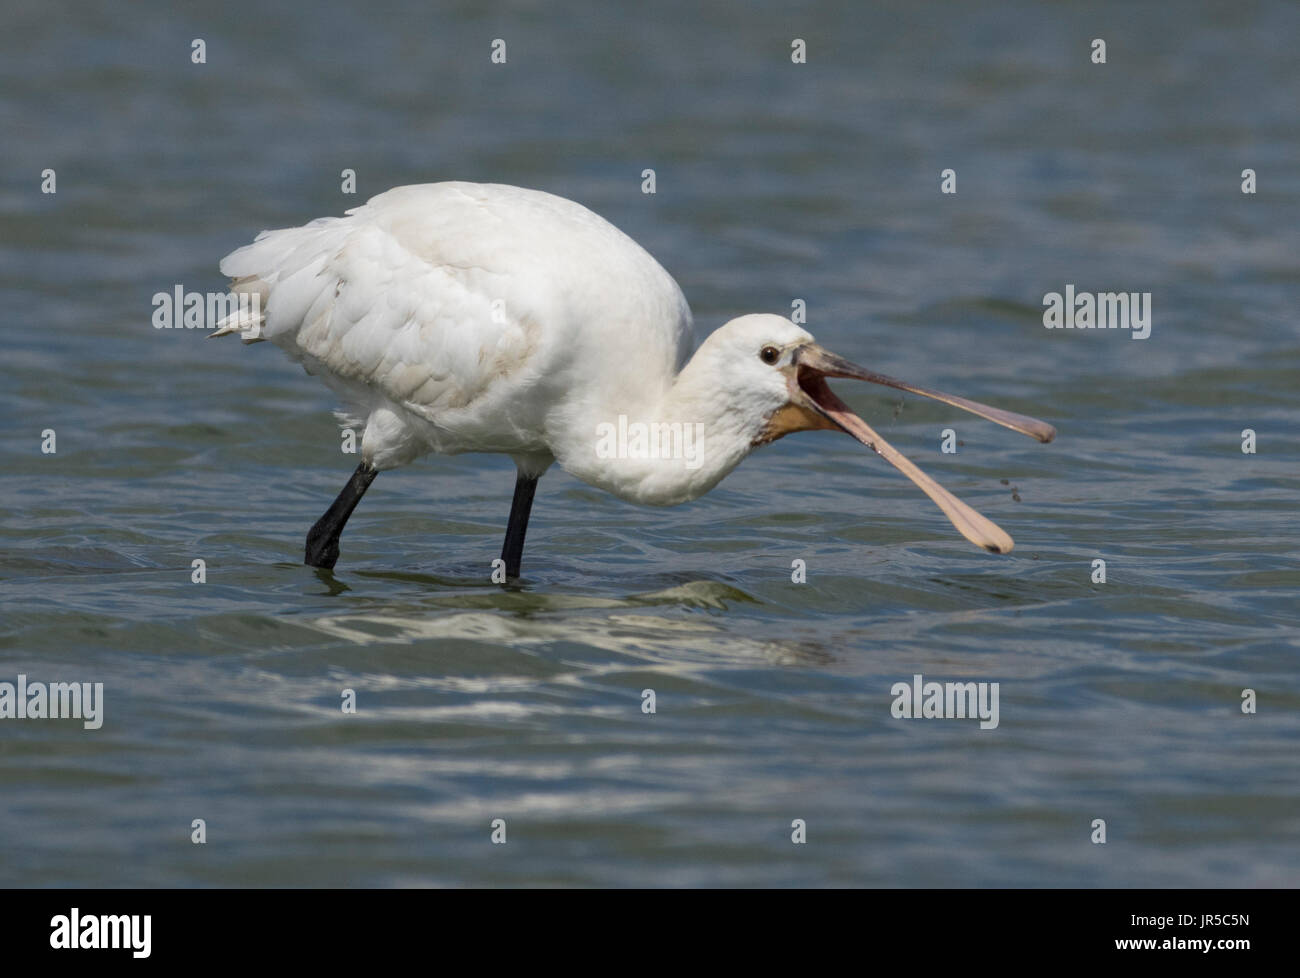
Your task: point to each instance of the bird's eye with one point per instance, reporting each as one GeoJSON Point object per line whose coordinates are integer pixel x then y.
{"type": "Point", "coordinates": [769, 354]}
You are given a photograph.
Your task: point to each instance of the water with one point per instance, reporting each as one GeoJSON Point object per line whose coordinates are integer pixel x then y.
{"type": "Point", "coordinates": [776, 181]}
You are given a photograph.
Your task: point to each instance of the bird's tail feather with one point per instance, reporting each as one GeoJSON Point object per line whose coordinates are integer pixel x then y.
{"type": "Point", "coordinates": [286, 260]}
{"type": "Point", "coordinates": [248, 318]}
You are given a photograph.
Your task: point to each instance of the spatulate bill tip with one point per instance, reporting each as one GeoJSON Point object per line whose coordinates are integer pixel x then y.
{"type": "Point", "coordinates": [990, 537]}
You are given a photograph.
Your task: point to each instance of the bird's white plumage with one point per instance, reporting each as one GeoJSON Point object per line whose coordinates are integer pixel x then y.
{"type": "Point", "coordinates": [459, 317]}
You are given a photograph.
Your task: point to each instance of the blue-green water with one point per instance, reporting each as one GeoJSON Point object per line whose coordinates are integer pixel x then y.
{"type": "Point", "coordinates": [775, 181]}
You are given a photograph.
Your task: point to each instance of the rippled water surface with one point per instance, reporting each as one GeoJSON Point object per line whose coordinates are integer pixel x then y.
{"type": "Point", "coordinates": [1118, 701]}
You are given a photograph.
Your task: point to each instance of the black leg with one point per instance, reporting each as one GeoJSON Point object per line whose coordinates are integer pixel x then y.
{"type": "Point", "coordinates": [323, 538]}
{"type": "Point", "coordinates": [512, 551]}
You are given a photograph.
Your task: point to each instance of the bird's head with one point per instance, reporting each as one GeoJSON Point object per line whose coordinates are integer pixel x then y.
{"type": "Point", "coordinates": [776, 376]}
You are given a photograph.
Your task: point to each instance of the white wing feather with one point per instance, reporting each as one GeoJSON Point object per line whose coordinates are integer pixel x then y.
{"type": "Point", "coordinates": [470, 307]}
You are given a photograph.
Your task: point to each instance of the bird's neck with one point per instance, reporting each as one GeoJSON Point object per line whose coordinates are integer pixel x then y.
{"type": "Point", "coordinates": [663, 449]}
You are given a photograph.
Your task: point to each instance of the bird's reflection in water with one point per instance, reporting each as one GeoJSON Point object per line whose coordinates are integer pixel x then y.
{"type": "Point", "coordinates": [628, 628]}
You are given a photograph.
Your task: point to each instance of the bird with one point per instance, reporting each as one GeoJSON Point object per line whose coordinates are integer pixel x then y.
{"type": "Point", "coordinates": [468, 317]}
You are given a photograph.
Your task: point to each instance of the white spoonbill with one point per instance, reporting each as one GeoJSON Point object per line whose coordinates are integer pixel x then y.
{"type": "Point", "coordinates": [464, 317]}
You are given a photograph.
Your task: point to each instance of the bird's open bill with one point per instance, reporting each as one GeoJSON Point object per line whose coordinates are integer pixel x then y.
{"type": "Point", "coordinates": [813, 365]}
